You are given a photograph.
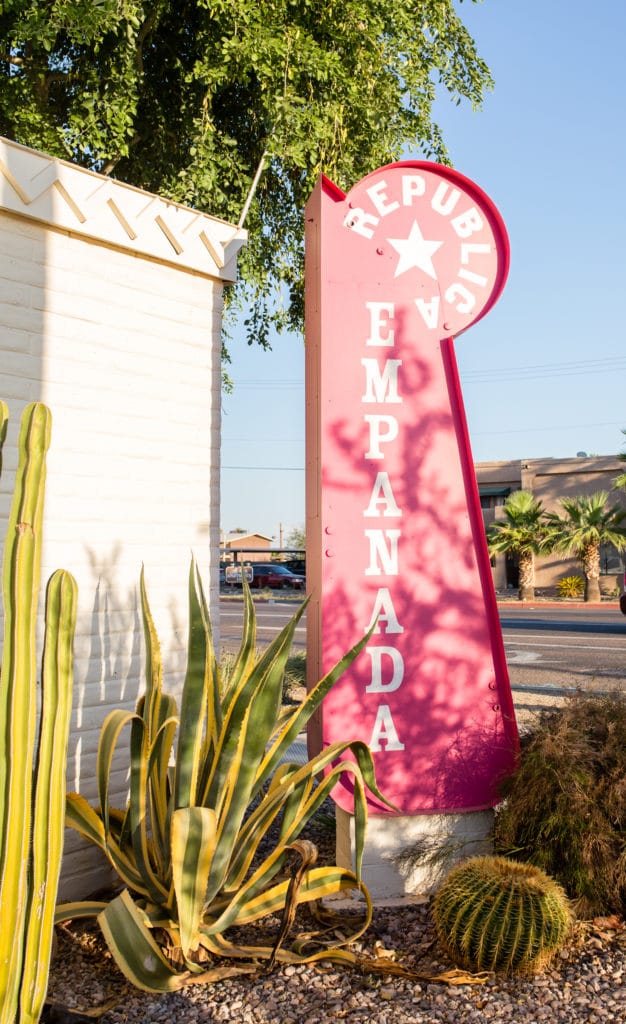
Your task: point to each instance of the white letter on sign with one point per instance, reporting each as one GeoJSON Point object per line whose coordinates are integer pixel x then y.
{"type": "Point", "coordinates": [397, 675]}
{"type": "Point", "coordinates": [378, 195]}
{"type": "Point", "coordinates": [380, 314]}
{"type": "Point", "coordinates": [361, 222]}
{"type": "Point", "coordinates": [459, 291]}
{"type": "Point", "coordinates": [412, 185]}
{"type": "Point", "coordinates": [384, 731]}
{"type": "Point", "coordinates": [439, 202]}
{"type": "Point", "coordinates": [384, 611]}
{"type": "Point", "coordinates": [382, 494]}
{"type": "Point", "coordinates": [467, 223]}
{"type": "Point", "coordinates": [381, 387]}
{"type": "Point", "coordinates": [383, 559]}
{"type": "Point", "coordinates": [429, 311]}
{"type": "Point", "coordinates": [378, 436]}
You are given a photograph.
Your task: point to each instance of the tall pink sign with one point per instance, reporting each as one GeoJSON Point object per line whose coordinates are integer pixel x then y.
{"type": "Point", "coordinates": [410, 258]}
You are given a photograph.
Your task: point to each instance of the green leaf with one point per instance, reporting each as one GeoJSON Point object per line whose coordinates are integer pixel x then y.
{"type": "Point", "coordinates": [194, 698]}
{"type": "Point", "coordinates": [243, 79]}
{"type": "Point", "coordinates": [134, 950]}
{"type": "Point", "coordinates": [193, 843]}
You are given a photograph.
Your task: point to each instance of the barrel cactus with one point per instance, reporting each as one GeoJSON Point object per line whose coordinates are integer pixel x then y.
{"type": "Point", "coordinates": [496, 914]}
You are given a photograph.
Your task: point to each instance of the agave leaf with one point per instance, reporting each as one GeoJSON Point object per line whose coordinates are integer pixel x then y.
{"type": "Point", "coordinates": [246, 730]}
{"type": "Point", "coordinates": [159, 783]}
{"type": "Point", "coordinates": [158, 711]}
{"type": "Point", "coordinates": [154, 664]}
{"type": "Point", "coordinates": [244, 659]}
{"type": "Point", "coordinates": [299, 718]}
{"type": "Point", "coordinates": [295, 792]}
{"type": "Point", "coordinates": [306, 851]}
{"type": "Point", "coordinates": [194, 699]}
{"type": "Point", "coordinates": [214, 698]}
{"type": "Point", "coordinates": [155, 887]}
{"type": "Point", "coordinates": [4, 423]}
{"type": "Point", "coordinates": [317, 884]}
{"type": "Point", "coordinates": [259, 690]}
{"type": "Point", "coordinates": [193, 843]}
{"type": "Point", "coordinates": [78, 910]}
{"type": "Point", "coordinates": [80, 816]}
{"type": "Point", "coordinates": [134, 950]}
{"type": "Point", "coordinates": [275, 802]}
{"type": "Point", "coordinates": [220, 946]}
{"type": "Point", "coordinates": [109, 735]}
{"type": "Point", "coordinates": [221, 973]}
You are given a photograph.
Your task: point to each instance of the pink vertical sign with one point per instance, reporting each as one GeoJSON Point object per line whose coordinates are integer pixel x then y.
{"type": "Point", "coordinates": [410, 258]}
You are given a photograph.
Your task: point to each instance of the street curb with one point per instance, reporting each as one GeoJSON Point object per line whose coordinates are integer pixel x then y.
{"type": "Point", "coordinates": [538, 604]}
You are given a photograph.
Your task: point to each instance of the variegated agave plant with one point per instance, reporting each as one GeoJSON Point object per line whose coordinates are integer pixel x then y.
{"type": "Point", "coordinates": [206, 785]}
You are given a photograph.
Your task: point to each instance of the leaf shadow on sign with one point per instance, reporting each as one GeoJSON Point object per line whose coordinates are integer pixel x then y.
{"type": "Point", "coordinates": [455, 751]}
{"type": "Point", "coordinates": [450, 712]}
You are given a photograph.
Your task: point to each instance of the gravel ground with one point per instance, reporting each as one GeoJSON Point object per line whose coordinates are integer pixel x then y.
{"type": "Point", "coordinates": [586, 984]}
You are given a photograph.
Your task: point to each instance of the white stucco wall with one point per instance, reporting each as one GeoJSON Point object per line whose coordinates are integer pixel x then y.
{"type": "Point", "coordinates": [110, 312]}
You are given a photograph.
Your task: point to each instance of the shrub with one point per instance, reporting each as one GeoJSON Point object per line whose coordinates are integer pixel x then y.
{"type": "Point", "coordinates": [565, 808]}
{"type": "Point", "coordinates": [494, 914]}
{"type": "Point", "coordinates": [571, 586]}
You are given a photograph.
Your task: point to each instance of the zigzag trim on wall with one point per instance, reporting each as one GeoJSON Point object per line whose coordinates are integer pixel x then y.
{"type": "Point", "coordinates": [73, 199]}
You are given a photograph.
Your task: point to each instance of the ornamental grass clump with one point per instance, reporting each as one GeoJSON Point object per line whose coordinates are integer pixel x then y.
{"type": "Point", "coordinates": [209, 838]}
{"type": "Point", "coordinates": [493, 914]}
{"type": "Point", "coordinates": [565, 808]}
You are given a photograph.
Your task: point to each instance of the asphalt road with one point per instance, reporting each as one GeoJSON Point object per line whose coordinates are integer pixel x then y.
{"type": "Point", "coordinates": [571, 648]}
{"type": "Point", "coordinates": [270, 618]}
{"type": "Point", "coordinates": [547, 648]}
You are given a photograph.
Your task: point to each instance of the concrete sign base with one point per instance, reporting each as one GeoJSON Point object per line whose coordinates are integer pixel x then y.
{"type": "Point", "coordinates": [410, 856]}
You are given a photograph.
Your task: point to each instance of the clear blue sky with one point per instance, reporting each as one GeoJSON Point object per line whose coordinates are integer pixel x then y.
{"type": "Point", "coordinates": [544, 374]}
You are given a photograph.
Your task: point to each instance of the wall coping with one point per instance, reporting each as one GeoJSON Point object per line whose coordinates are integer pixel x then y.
{"type": "Point", "coordinates": [82, 202]}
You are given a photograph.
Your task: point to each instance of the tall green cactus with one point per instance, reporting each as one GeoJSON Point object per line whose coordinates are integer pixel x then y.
{"type": "Point", "coordinates": [32, 755]}
{"type": "Point", "coordinates": [496, 914]}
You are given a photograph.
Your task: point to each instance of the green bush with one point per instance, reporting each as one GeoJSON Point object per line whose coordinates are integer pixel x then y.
{"type": "Point", "coordinates": [565, 808]}
{"type": "Point", "coordinates": [493, 914]}
{"type": "Point", "coordinates": [571, 586]}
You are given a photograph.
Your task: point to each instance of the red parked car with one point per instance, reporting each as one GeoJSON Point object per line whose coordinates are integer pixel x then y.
{"type": "Point", "coordinates": [278, 577]}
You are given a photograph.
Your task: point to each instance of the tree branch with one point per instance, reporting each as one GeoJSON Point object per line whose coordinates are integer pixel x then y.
{"type": "Point", "coordinates": [111, 164]}
{"type": "Point", "coordinates": [144, 31]}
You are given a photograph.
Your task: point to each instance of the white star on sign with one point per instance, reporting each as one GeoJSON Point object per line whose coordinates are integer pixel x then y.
{"type": "Point", "coordinates": [415, 251]}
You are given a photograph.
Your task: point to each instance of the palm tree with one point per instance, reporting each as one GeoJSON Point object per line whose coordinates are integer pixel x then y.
{"type": "Point", "coordinates": [586, 524]}
{"type": "Point", "coordinates": [522, 533]}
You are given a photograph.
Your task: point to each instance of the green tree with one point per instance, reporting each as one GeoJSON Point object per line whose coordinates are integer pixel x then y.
{"type": "Point", "coordinates": [296, 538]}
{"type": "Point", "coordinates": [522, 533]}
{"type": "Point", "coordinates": [188, 98]}
{"type": "Point", "coordinates": [586, 523]}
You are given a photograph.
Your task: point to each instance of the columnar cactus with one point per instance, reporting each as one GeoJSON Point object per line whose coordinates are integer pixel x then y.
{"type": "Point", "coordinates": [492, 913]}
{"type": "Point", "coordinates": [32, 756]}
